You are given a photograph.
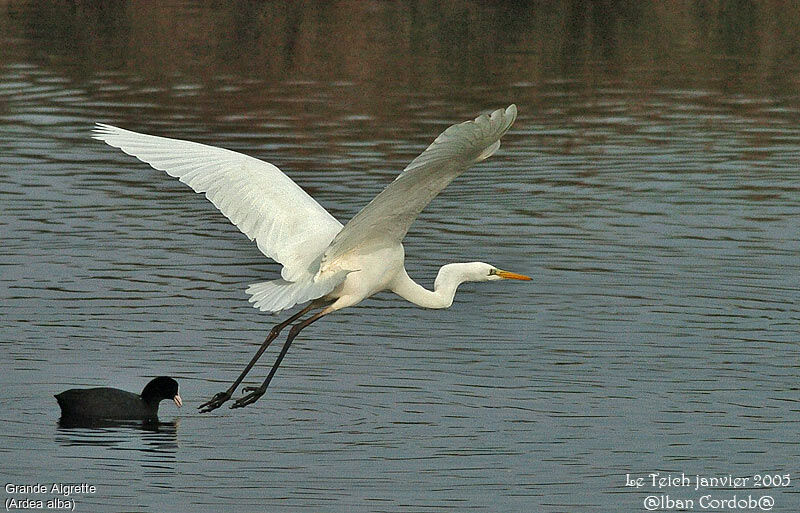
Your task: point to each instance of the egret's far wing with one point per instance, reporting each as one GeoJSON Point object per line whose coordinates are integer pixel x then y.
{"type": "Point", "coordinates": [265, 204]}
{"type": "Point", "coordinates": [386, 219]}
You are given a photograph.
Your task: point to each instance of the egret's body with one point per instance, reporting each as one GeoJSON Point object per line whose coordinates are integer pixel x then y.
{"type": "Point", "coordinates": [378, 271]}
{"type": "Point", "coordinates": [332, 265]}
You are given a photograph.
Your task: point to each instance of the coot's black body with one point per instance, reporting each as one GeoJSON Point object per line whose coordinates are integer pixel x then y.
{"type": "Point", "coordinates": [112, 403]}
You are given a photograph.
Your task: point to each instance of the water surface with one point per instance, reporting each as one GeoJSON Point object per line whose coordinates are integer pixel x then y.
{"type": "Point", "coordinates": [649, 185]}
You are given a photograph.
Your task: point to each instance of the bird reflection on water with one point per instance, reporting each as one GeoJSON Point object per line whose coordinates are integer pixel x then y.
{"type": "Point", "coordinates": [151, 436]}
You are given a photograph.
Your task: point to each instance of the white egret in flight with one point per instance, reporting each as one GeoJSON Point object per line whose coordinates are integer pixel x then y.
{"type": "Point", "coordinates": [331, 265]}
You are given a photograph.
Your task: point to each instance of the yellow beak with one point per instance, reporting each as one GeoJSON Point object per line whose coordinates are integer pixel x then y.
{"type": "Point", "coordinates": [512, 276]}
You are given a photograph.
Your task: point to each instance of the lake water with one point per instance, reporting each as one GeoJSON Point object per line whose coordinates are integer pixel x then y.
{"type": "Point", "coordinates": [650, 186]}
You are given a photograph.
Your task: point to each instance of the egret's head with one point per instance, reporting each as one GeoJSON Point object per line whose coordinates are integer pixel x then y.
{"type": "Point", "coordinates": [478, 271]}
{"type": "Point", "coordinates": [498, 274]}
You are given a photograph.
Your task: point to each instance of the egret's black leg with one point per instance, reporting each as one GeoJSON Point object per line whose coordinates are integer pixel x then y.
{"type": "Point", "coordinates": [220, 398]}
{"type": "Point", "coordinates": [256, 392]}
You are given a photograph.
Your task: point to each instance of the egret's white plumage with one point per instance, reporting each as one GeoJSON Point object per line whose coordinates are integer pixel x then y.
{"type": "Point", "coordinates": [386, 219]}
{"type": "Point", "coordinates": [321, 258]}
{"type": "Point", "coordinates": [289, 226]}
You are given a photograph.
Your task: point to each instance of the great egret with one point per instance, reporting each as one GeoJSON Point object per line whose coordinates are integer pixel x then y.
{"type": "Point", "coordinates": [331, 265]}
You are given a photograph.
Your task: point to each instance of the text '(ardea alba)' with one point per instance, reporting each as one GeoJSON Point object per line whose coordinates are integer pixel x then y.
{"type": "Point", "coordinates": [331, 265]}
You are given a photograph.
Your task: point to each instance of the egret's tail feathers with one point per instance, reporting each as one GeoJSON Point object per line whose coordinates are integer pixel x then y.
{"type": "Point", "coordinates": [279, 295]}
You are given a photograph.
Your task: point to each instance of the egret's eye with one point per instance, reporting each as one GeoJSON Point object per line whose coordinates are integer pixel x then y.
{"type": "Point", "coordinates": [492, 272]}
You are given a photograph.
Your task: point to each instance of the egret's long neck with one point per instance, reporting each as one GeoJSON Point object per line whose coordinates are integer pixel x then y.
{"type": "Point", "coordinates": [444, 289]}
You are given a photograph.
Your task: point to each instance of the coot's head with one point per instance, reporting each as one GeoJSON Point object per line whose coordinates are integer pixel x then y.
{"type": "Point", "coordinates": [161, 388]}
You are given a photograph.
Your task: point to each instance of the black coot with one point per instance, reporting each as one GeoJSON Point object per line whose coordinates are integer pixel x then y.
{"type": "Point", "coordinates": [112, 403]}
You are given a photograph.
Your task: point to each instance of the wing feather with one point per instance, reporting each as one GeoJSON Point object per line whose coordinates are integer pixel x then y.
{"type": "Point", "coordinates": [387, 218]}
{"type": "Point", "coordinates": [287, 224]}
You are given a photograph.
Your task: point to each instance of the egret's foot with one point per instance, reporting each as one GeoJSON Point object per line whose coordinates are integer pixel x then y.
{"type": "Point", "coordinates": [253, 396]}
{"type": "Point", "coordinates": [215, 402]}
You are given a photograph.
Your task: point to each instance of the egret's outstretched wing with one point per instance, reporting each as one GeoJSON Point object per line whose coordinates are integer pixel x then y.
{"type": "Point", "coordinates": [265, 204]}
{"type": "Point", "coordinates": [386, 219]}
